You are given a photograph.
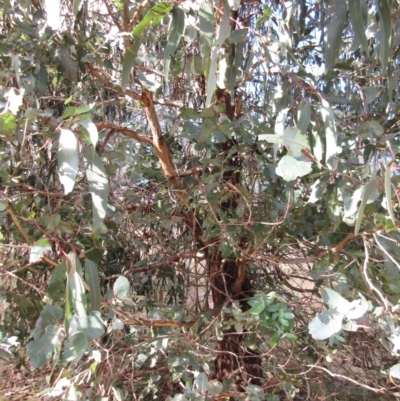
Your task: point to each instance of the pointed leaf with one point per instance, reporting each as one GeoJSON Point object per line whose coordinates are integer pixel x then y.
{"type": "Point", "coordinates": [328, 119]}
{"type": "Point", "coordinates": [67, 64]}
{"type": "Point", "coordinates": [129, 59]}
{"type": "Point", "coordinates": [388, 193]}
{"type": "Point", "coordinates": [76, 289]}
{"type": "Point", "coordinates": [305, 117]}
{"type": "Point", "coordinates": [76, 6]}
{"type": "Point", "coordinates": [385, 31]}
{"type": "Point", "coordinates": [98, 183]}
{"type": "Point", "coordinates": [356, 8]}
{"type": "Point", "coordinates": [223, 31]}
{"type": "Point", "coordinates": [68, 159]}
{"type": "Point", "coordinates": [91, 129]}
{"type": "Point", "coordinates": [153, 16]}
{"type": "Point", "coordinates": [206, 21]}
{"type": "Point", "coordinates": [92, 279]}
{"type": "Point", "coordinates": [212, 77]}
{"type": "Point", "coordinates": [41, 79]}
{"type": "Point", "coordinates": [335, 16]}
{"type": "Point", "coordinates": [369, 188]}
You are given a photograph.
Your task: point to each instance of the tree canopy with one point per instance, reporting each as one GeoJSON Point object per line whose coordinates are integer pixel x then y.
{"type": "Point", "coordinates": [200, 199]}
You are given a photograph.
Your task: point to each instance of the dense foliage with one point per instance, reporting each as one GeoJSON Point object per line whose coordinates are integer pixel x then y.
{"type": "Point", "coordinates": [199, 199]}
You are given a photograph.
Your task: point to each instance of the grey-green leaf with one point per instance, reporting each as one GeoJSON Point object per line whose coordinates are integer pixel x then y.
{"type": "Point", "coordinates": [175, 35]}
{"type": "Point", "coordinates": [68, 159]}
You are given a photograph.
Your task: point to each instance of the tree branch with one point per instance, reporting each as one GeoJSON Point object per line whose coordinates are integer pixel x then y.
{"type": "Point", "coordinates": [126, 131]}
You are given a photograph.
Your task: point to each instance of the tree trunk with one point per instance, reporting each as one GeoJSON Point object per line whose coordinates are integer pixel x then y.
{"type": "Point", "coordinates": [229, 282]}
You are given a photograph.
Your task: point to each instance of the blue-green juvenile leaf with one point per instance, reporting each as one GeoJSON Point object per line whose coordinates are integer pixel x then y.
{"type": "Point", "coordinates": [68, 159]}
{"type": "Point", "coordinates": [92, 279]}
{"type": "Point", "coordinates": [175, 35]}
{"type": "Point", "coordinates": [335, 16]}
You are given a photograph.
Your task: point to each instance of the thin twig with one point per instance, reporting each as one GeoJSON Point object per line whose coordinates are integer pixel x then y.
{"type": "Point", "coordinates": [375, 390]}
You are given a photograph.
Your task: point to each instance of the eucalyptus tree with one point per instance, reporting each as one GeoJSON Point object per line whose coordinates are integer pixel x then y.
{"type": "Point", "coordinates": [200, 197]}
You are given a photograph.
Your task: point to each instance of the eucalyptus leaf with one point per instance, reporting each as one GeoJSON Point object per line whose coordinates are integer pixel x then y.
{"type": "Point", "coordinates": [175, 35]}
{"type": "Point", "coordinates": [40, 351]}
{"type": "Point", "coordinates": [335, 16]}
{"type": "Point", "coordinates": [68, 159]}
{"type": "Point", "coordinates": [39, 250]}
{"type": "Point", "coordinates": [92, 278]}
{"type": "Point", "coordinates": [325, 325]}
{"type": "Point", "coordinates": [290, 168]}
{"type": "Point", "coordinates": [75, 347]}
{"type": "Point", "coordinates": [98, 182]}
{"type": "Point", "coordinates": [121, 287]}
